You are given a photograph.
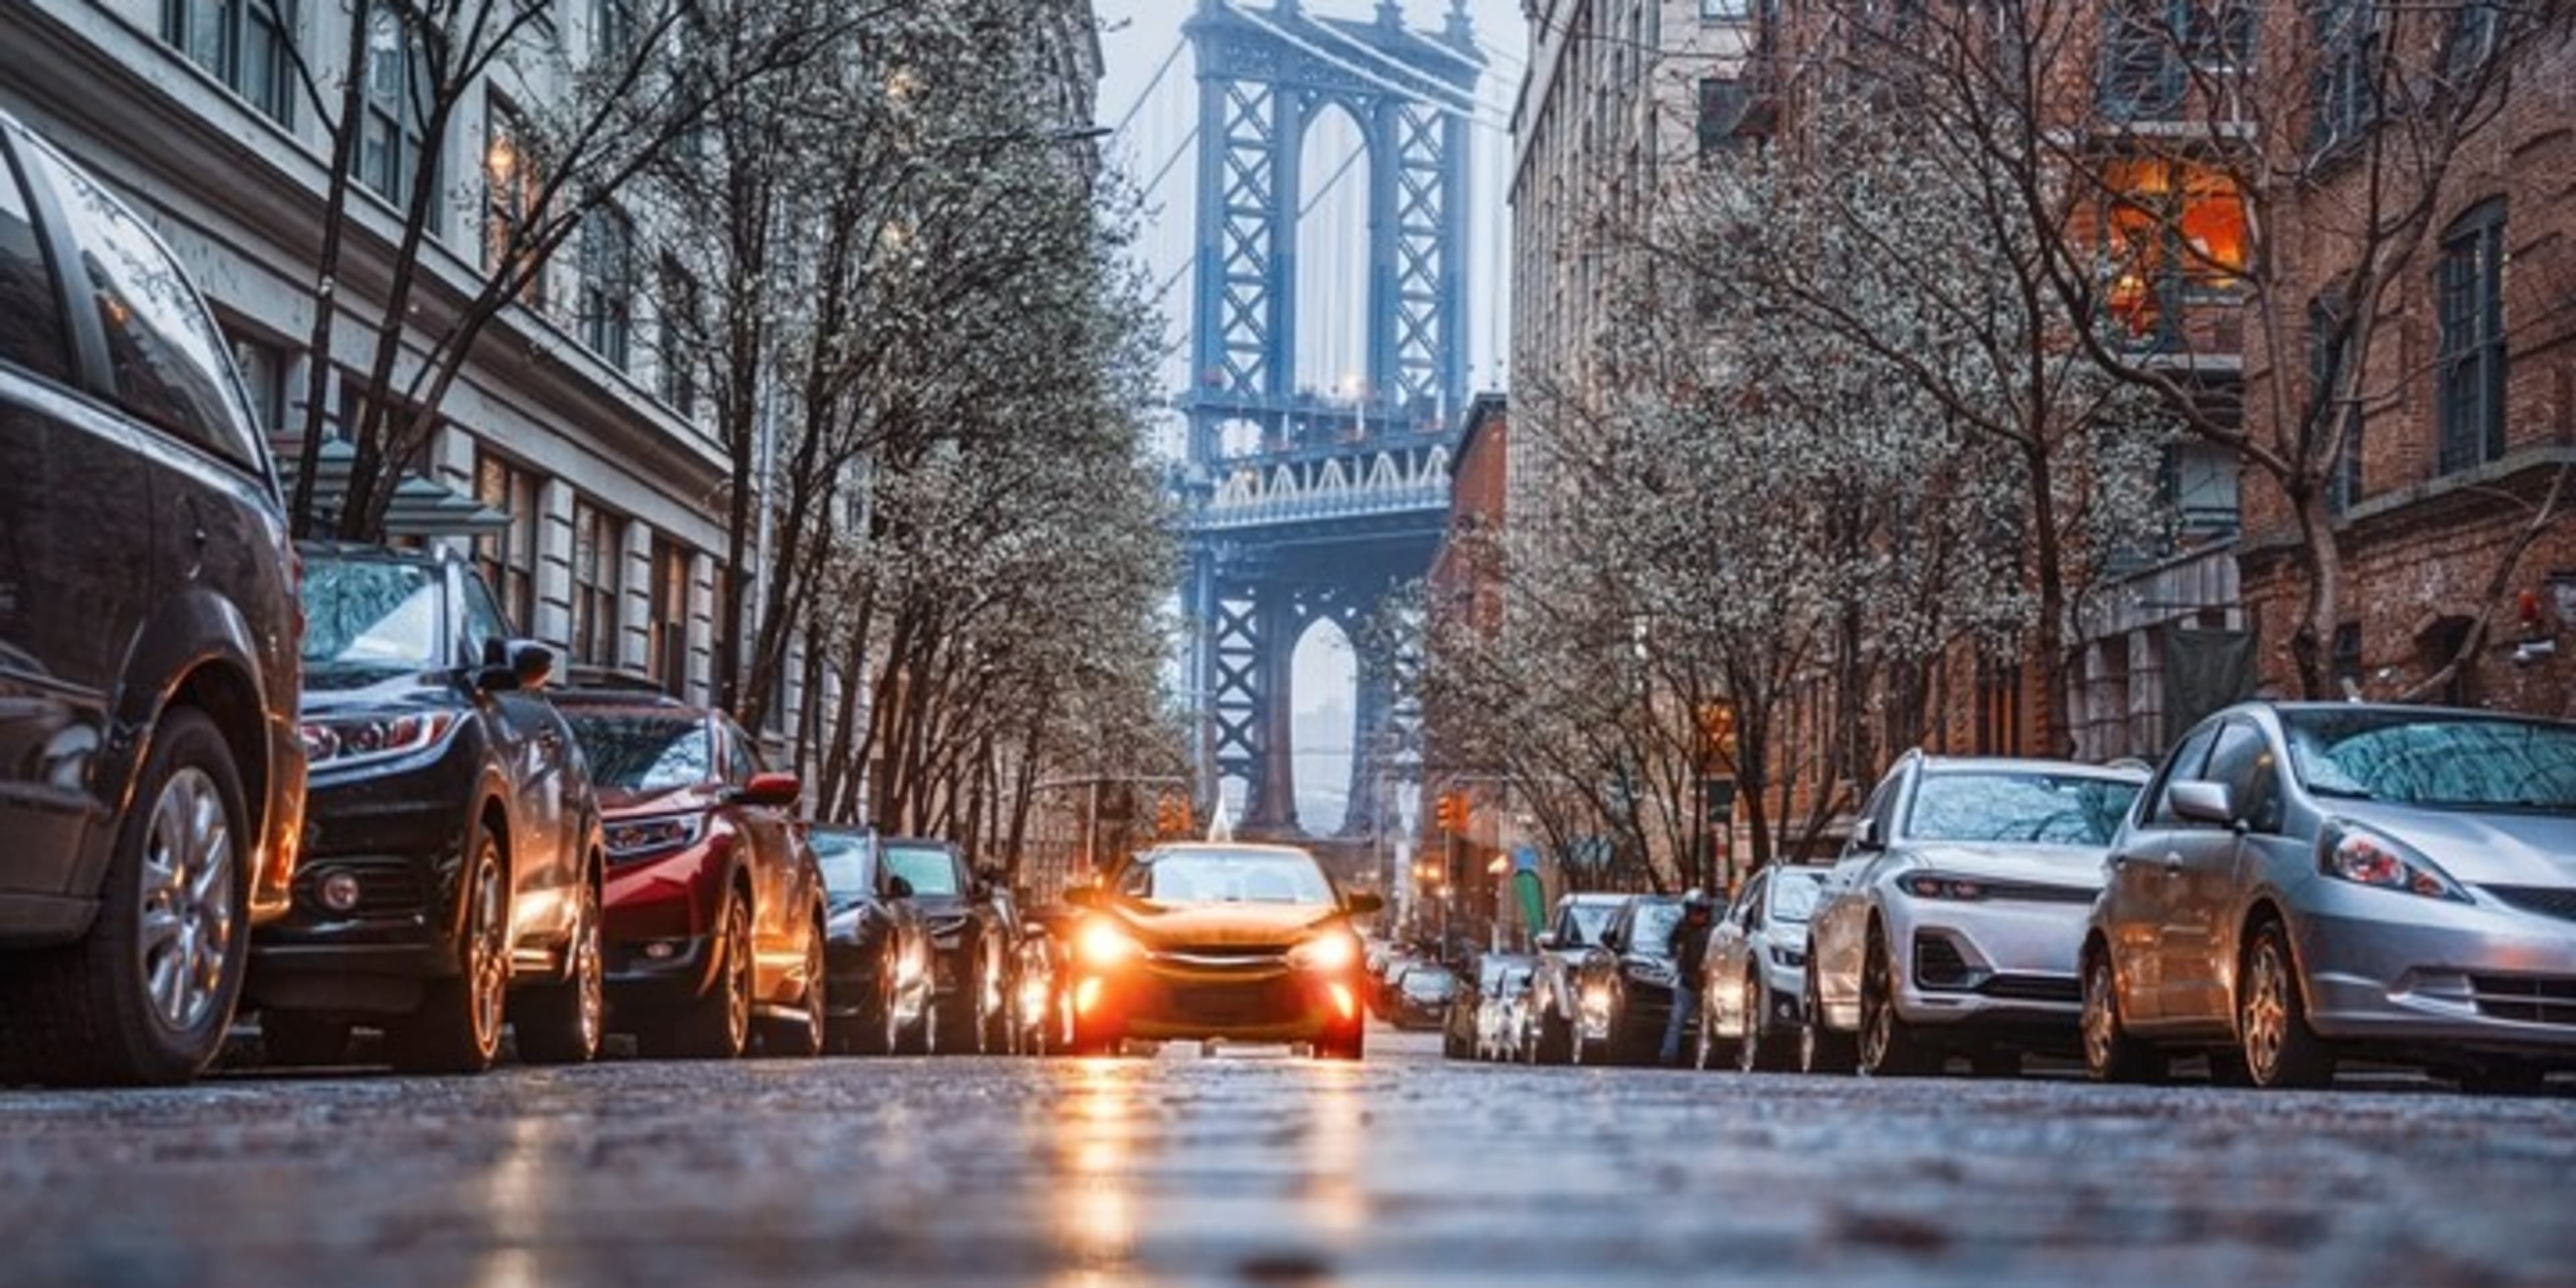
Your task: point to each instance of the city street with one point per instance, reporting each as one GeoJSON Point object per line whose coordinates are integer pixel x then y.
{"type": "Point", "coordinates": [1253, 1168]}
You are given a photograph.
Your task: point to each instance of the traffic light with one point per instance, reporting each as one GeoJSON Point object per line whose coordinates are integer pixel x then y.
{"type": "Point", "coordinates": [1450, 811]}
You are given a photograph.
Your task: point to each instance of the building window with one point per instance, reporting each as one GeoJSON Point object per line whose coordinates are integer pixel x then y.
{"type": "Point", "coordinates": [1725, 10]}
{"type": "Point", "coordinates": [682, 318]}
{"type": "Point", "coordinates": [392, 142]}
{"type": "Point", "coordinates": [2469, 288]}
{"type": "Point", "coordinates": [513, 185]}
{"type": "Point", "coordinates": [247, 44]}
{"type": "Point", "coordinates": [598, 557]}
{"type": "Point", "coordinates": [1723, 103]}
{"type": "Point", "coordinates": [668, 644]}
{"type": "Point", "coordinates": [607, 282]}
{"type": "Point", "coordinates": [263, 373]}
{"type": "Point", "coordinates": [2347, 93]}
{"type": "Point", "coordinates": [612, 27]}
{"type": "Point", "coordinates": [508, 558]}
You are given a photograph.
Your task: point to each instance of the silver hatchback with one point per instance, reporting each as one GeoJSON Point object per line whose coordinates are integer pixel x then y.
{"type": "Point", "coordinates": [2304, 882]}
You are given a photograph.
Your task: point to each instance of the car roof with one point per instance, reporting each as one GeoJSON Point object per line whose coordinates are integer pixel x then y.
{"type": "Point", "coordinates": [622, 702]}
{"type": "Point", "coordinates": [1589, 897]}
{"type": "Point", "coordinates": [1206, 847]}
{"type": "Point", "coordinates": [353, 551]}
{"type": "Point", "coordinates": [2030, 765]}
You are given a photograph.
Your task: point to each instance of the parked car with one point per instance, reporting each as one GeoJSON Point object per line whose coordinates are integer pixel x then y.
{"type": "Point", "coordinates": [968, 950]}
{"type": "Point", "coordinates": [877, 951]}
{"type": "Point", "coordinates": [1041, 1010]}
{"type": "Point", "coordinates": [714, 910]}
{"type": "Point", "coordinates": [1627, 988]}
{"type": "Point", "coordinates": [1572, 937]}
{"type": "Point", "coordinates": [1207, 940]}
{"type": "Point", "coordinates": [1052, 928]}
{"type": "Point", "coordinates": [1420, 997]}
{"type": "Point", "coordinates": [1952, 922]}
{"type": "Point", "coordinates": [1754, 984]}
{"type": "Point", "coordinates": [1458, 1022]}
{"type": "Point", "coordinates": [453, 853]}
{"type": "Point", "coordinates": [1502, 982]}
{"type": "Point", "coordinates": [151, 782]}
{"type": "Point", "coordinates": [2306, 883]}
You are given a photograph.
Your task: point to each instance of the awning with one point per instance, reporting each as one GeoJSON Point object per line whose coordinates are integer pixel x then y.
{"type": "Point", "coordinates": [421, 508]}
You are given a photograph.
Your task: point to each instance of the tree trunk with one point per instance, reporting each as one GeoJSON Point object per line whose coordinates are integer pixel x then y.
{"type": "Point", "coordinates": [2049, 569]}
{"type": "Point", "coordinates": [318, 347]}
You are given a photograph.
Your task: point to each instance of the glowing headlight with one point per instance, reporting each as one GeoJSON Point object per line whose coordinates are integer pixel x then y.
{"type": "Point", "coordinates": [2349, 852]}
{"type": "Point", "coordinates": [1934, 885]}
{"type": "Point", "coordinates": [629, 838]}
{"type": "Point", "coordinates": [342, 741]}
{"type": "Point", "coordinates": [1331, 951]}
{"type": "Point", "coordinates": [1102, 944]}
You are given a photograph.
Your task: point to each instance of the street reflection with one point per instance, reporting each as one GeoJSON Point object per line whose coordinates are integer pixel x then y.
{"type": "Point", "coordinates": [1095, 1143]}
{"type": "Point", "coordinates": [514, 1204]}
{"type": "Point", "coordinates": [1332, 1152]}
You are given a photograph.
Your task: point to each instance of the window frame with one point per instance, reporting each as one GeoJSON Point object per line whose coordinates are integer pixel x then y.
{"type": "Point", "coordinates": [49, 237]}
{"type": "Point", "coordinates": [401, 122]}
{"type": "Point", "coordinates": [607, 294]}
{"type": "Point", "coordinates": [598, 584]}
{"type": "Point", "coordinates": [240, 26]}
{"type": "Point", "coordinates": [2470, 370]}
{"type": "Point", "coordinates": [496, 554]}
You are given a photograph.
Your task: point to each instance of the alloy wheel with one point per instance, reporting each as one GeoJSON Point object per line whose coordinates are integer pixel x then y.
{"type": "Point", "coordinates": [188, 915]}
{"type": "Point", "coordinates": [2267, 1010]}
{"type": "Point", "coordinates": [737, 977]}
{"type": "Point", "coordinates": [890, 1006]}
{"type": "Point", "coordinates": [487, 949]}
{"type": "Point", "coordinates": [2101, 1021]}
{"type": "Point", "coordinates": [1877, 1012]}
{"type": "Point", "coordinates": [589, 972]}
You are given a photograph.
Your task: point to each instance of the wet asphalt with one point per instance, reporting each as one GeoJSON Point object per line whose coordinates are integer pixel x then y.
{"type": "Point", "coordinates": [1251, 1167]}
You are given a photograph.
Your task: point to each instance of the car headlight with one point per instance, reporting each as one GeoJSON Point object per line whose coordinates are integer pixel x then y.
{"type": "Point", "coordinates": [1936, 885]}
{"type": "Point", "coordinates": [1785, 956]}
{"type": "Point", "coordinates": [2348, 851]}
{"type": "Point", "coordinates": [352, 740]}
{"type": "Point", "coordinates": [1101, 944]}
{"type": "Point", "coordinates": [636, 837]}
{"type": "Point", "coordinates": [1331, 951]}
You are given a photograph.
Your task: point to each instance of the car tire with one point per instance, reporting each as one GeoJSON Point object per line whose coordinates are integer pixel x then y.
{"type": "Point", "coordinates": [879, 1029]}
{"type": "Point", "coordinates": [802, 1036]}
{"type": "Point", "coordinates": [1820, 1049]}
{"type": "Point", "coordinates": [716, 1026]}
{"type": "Point", "coordinates": [2227, 1069]}
{"type": "Point", "coordinates": [2110, 1053]}
{"type": "Point", "coordinates": [562, 1023]}
{"type": "Point", "coordinates": [923, 1037]}
{"type": "Point", "coordinates": [302, 1040]}
{"type": "Point", "coordinates": [1889, 1047]}
{"type": "Point", "coordinates": [1349, 1044]}
{"type": "Point", "coordinates": [2280, 1050]}
{"type": "Point", "coordinates": [457, 1027]}
{"type": "Point", "coordinates": [86, 1013]}
{"type": "Point", "coordinates": [1555, 1040]}
{"type": "Point", "coordinates": [1759, 1050]}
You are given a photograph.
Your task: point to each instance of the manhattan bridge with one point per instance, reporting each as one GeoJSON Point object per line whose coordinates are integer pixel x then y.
{"type": "Point", "coordinates": [1328, 371]}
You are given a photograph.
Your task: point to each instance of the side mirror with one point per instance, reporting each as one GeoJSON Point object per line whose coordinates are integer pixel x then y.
{"type": "Point", "coordinates": [777, 791]}
{"type": "Point", "coordinates": [520, 665]}
{"type": "Point", "coordinates": [1082, 896]}
{"type": "Point", "coordinates": [1865, 838]}
{"type": "Point", "coordinates": [1546, 941]}
{"type": "Point", "coordinates": [1614, 940]}
{"type": "Point", "coordinates": [899, 888]}
{"type": "Point", "coordinates": [2203, 802]}
{"type": "Point", "coordinates": [1362, 903]}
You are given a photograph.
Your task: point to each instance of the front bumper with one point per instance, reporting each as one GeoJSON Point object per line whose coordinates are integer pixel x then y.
{"type": "Point", "coordinates": [2385, 967]}
{"type": "Point", "coordinates": [2001, 963]}
{"type": "Point", "coordinates": [1253, 1000]}
{"type": "Point", "coordinates": [650, 973]}
{"type": "Point", "coordinates": [400, 830]}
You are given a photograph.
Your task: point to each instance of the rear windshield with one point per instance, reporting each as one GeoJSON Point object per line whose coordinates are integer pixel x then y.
{"type": "Point", "coordinates": [640, 753]}
{"type": "Point", "coordinates": [928, 869]}
{"type": "Point", "coordinates": [844, 859]}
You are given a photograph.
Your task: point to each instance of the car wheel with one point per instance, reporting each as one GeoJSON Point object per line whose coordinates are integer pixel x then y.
{"type": "Point", "coordinates": [2272, 1018]}
{"type": "Point", "coordinates": [924, 1037]}
{"type": "Point", "coordinates": [801, 1037]}
{"type": "Point", "coordinates": [297, 1039]}
{"type": "Point", "coordinates": [1701, 1047]}
{"type": "Point", "coordinates": [1758, 1050]}
{"type": "Point", "coordinates": [458, 1026]}
{"type": "Point", "coordinates": [718, 1025]}
{"type": "Point", "coordinates": [562, 1023]}
{"type": "Point", "coordinates": [1889, 1047]}
{"type": "Point", "coordinates": [147, 997]}
{"type": "Point", "coordinates": [1820, 1049]}
{"type": "Point", "coordinates": [997, 1012]}
{"type": "Point", "coordinates": [881, 1032]}
{"type": "Point", "coordinates": [2110, 1054]}
{"type": "Point", "coordinates": [1348, 1044]}
{"type": "Point", "coordinates": [1555, 1041]}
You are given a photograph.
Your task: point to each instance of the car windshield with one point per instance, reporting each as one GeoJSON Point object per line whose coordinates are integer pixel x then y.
{"type": "Point", "coordinates": [1651, 930]}
{"type": "Point", "coordinates": [645, 753]}
{"type": "Point", "coordinates": [1590, 919]}
{"type": "Point", "coordinates": [2018, 807]}
{"type": "Point", "coordinates": [1228, 876]}
{"type": "Point", "coordinates": [371, 613]}
{"type": "Point", "coordinates": [1429, 985]}
{"type": "Point", "coordinates": [2439, 759]}
{"type": "Point", "coordinates": [844, 860]}
{"type": "Point", "coordinates": [928, 869]}
{"type": "Point", "coordinates": [1794, 895]}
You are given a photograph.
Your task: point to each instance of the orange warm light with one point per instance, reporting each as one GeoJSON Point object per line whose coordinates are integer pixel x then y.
{"type": "Point", "coordinates": [1344, 1002]}
{"type": "Point", "coordinates": [1086, 996]}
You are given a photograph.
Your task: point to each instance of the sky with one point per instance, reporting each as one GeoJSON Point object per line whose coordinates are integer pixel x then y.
{"type": "Point", "coordinates": [1155, 147]}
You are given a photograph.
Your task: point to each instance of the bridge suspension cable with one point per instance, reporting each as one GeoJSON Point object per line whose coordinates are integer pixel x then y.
{"type": "Point", "coordinates": [1164, 171]}
{"type": "Point", "coordinates": [1129, 116]}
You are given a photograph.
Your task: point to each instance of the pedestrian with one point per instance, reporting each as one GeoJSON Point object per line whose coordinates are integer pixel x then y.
{"type": "Point", "coordinates": [1687, 946]}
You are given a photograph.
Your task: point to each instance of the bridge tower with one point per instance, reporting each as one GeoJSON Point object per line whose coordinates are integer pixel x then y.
{"type": "Point", "coordinates": [1309, 504]}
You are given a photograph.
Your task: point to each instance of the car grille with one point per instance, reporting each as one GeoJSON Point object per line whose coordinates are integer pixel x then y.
{"type": "Point", "coordinates": [1937, 964]}
{"type": "Point", "coordinates": [2035, 892]}
{"type": "Point", "coordinates": [387, 887]}
{"type": "Point", "coordinates": [2548, 901]}
{"type": "Point", "coordinates": [2033, 988]}
{"type": "Point", "coordinates": [2530, 999]}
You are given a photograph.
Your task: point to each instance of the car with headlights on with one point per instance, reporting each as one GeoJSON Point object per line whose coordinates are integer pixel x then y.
{"type": "Point", "coordinates": [452, 849]}
{"type": "Point", "coordinates": [151, 780]}
{"type": "Point", "coordinates": [1217, 940]}
{"type": "Point", "coordinates": [1754, 980]}
{"type": "Point", "coordinates": [1572, 939]}
{"type": "Point", "coordinates": [1626, 990]}
{"type": "Point", "coordinates": [1951, 923]}
{"type": "Point", "coordinates": [2308, 883]}
{"type": "Point", "coordinates": [714, 903]}
{"type": "Point", "coordinates": [877, 947]}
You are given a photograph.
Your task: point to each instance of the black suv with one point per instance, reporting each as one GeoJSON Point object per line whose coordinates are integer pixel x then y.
{"type": "Point", "coordinates": [970, 955]}
{"type": "Point", "coordinates": [149, 771]}
{"type": "Point", "coordinates": [452, 839]}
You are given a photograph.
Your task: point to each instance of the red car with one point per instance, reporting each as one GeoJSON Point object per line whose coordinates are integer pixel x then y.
{"type": "Point", "coordinates": [713, 925]}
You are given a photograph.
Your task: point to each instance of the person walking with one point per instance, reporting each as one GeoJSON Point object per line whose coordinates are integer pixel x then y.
{"type": "Point", "coordinates": [1687, 945]}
